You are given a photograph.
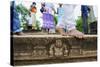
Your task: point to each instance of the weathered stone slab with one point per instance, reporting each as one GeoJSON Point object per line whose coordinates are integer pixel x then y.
{"type": "Point", "coordinates": [52, 47]}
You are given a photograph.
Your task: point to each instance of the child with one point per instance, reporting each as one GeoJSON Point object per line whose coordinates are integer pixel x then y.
{"type": "Point", "coordinates": [60, 12]}
{"type": "Point", "coordinates": [68, 22]}
{"type": "Point", "coordinates": [33, 10]}
{"type": "Point", "coordinates": [48, 18]}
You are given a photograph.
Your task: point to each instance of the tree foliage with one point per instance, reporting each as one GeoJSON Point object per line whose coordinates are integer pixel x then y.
{"type": "Point", "coordinates": [79, 23]}
{"type": "Point", "coordinates": [22, 9]}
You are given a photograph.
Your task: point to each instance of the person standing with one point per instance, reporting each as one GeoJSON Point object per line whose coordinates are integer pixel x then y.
{"type": "Point", "coordinates": [69, 23]}
{"type": "Point", "coordinates": [33, 11]}
{"type": "Point", "coordinates": [60, 12]}
{"type": "Point", "coordinates": [15, 22]}
{"type": "Point", "coordinates": [48, 18]}
{"type": "Point", "coordinates": [85, 11]}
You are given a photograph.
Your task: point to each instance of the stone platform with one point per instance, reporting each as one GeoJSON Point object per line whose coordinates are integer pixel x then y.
{"type": "Point", "coordinates": [44, 49]}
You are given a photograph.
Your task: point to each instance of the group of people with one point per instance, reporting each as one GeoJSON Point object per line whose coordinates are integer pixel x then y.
{"type": "Point", "coordinates": [66, 21]}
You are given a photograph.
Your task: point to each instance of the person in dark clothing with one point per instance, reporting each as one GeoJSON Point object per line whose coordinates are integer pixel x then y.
{"type": "Point", "coordinates": [84, 11]}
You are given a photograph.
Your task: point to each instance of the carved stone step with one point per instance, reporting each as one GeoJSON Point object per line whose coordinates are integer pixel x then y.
{"type": "Point", "coordinates": [47, 47]}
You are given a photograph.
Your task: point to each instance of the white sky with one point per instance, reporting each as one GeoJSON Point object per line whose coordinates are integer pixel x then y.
{"type": "Point", "coordinates": [27, 4]}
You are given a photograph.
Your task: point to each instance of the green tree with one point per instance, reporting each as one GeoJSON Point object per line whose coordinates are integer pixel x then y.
{"type": "Point", "coordinates": [38, 25]}
{"type": "Point", "coordinates": [24, 12]}
{"type": "Point", "coordinates": [56, 19]}
{"type": "Point", "coordinates": [79, 23]}
{"type": "Point", "coordinates": [22, 9]}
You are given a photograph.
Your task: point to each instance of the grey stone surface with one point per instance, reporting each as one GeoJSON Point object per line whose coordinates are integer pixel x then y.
{"type": "Point", "coordinates": [47, 47]}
